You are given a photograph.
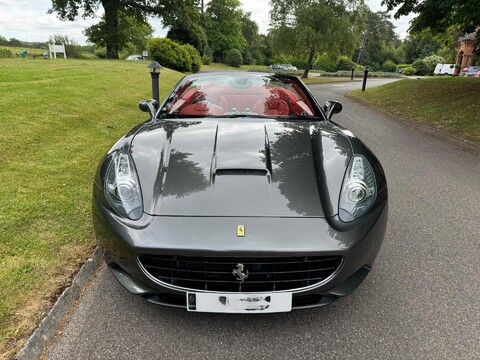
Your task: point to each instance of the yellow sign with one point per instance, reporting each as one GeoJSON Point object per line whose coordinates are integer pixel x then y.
{"type": "Point", "coordinates": [241, 230]}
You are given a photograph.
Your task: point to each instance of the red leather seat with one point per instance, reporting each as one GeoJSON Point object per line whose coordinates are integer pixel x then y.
{"type": "Point", "coordinates": [202, 108]}
{"type": "Point", "coordinates": [271, 107]}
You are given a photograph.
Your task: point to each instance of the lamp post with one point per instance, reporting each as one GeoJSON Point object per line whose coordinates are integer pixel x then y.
{"type": "Point", "coordinates": [154, 66]}
{"type": "Point", "coordinates": [365, 75]}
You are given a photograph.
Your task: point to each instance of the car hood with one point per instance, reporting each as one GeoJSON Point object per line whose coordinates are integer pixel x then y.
{"type": "Point", "coordinates": [240, 167]}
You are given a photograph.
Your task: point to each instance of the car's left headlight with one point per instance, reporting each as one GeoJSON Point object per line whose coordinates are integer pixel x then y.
{"type": "Point", "coordinates": [122, 188]}
{"type": "Point", "coordinates": [359, 189]}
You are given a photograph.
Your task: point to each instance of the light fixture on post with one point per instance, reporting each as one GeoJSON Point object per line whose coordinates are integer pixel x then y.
{"type": "Point", "coordinates": [154, 66]}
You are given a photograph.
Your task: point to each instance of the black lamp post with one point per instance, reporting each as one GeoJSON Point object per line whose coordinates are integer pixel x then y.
{"type": "Point", "coordinates": [154, 66]}
{"type": "Point", "coordinates": [365, 75]}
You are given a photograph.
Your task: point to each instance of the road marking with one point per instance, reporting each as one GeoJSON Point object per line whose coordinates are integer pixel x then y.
{"type": "Point", "coordinates": [338, 85]}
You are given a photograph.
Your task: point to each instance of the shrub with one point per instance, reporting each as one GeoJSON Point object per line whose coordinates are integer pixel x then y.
{"type": "Point", "coordinates": [344, 63]}
{"type": "Point", "coordinates": [325, 62]}
{"type": "Point", "coordinates": [206, 60]}
{"type": "Point", "coordinates": [170, 54]}
{"type": "Point", "coordinates": [421, 67]}
{"type": "Point", "coordinates": [409, 71]}
{"type": "Point", "coordinates": [234, 58]}
{"type": "Point", "coordinates": [432, 61]}
{"type": "Point", "coordinates": [5, 53]}
{"type": "Point", "coordinates": [403, 66]}
{"type": "Point", "coordinates": [389, 66]}
{"type": "Point", "coordinates": [195, 59]}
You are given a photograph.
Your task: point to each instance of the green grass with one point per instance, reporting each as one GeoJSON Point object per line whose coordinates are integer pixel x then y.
{"type": "Point", "coordinates": [18, 50]}
{"type": "Point", "coordinates": [450, 104]}
{"type": "Point", "coordinates": [58, 117]}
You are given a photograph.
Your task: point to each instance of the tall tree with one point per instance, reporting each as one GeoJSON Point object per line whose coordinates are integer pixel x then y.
{"type": "Point", "coordinates": [382, 43]}
{"type": "Point", "coordinates": [187, 26]}
{"type": "Point", "coordinates": [418, 46]}
{"type": "Point", "coordinates": [311, 26]}
{"type": "Point", "coordinates": [438, 15]}
{"type": "Point", "coordinates": [132, 30]}
{"type": "Point", "coordinates": [71, 9]}
{"type": "Point", "coordinates": [253, 49]}
{"type": "Point", "coordinates": [224, 27]}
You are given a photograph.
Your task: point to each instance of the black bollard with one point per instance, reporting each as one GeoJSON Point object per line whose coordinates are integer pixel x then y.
{"type": "Point", "coordinates": [365, 75]}
{"type": "Point", "coordinates": [353, 70]}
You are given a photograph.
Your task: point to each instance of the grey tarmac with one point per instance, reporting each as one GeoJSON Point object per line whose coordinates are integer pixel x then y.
{"type": "Point", "coordinates": [420, 301]}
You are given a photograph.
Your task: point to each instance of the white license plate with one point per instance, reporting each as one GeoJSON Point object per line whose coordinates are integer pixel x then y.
{"type": "Point", "coordinates": [239, 303]}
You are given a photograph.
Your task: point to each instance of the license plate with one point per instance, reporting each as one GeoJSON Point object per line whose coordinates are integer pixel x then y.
{"type": "Point", "coordinates": [239, 303]}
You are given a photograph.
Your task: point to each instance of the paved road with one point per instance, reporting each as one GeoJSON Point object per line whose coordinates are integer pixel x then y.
{"type": "Point", "coordinates": [421, 300]}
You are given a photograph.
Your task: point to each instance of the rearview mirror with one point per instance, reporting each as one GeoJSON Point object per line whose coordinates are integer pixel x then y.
{"type": "Point", "coordinates": [149, 106]}
{"type": "Point", "coordinates": [332, 107]}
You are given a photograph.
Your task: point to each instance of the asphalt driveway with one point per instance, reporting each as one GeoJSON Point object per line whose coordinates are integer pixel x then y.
{"type": "Point", "coordinates": [421, 300]}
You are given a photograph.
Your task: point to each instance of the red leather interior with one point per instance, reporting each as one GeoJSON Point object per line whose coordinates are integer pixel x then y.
{"type": "Point", "coordinates": [202, 108]}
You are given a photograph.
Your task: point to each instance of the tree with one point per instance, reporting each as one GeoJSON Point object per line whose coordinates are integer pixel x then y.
{"type": "Point", "coordinates": [187, 27]}
{"type": "Point", "coordinates": [252, 53]}
{"type": "Point", "coordinates": [438, 15]}
{"type": "Point", "coordinates": [132, 31]}
{"type": "Point", "coordinates": [420, 46]}
{"type": "Point", "coordinates": [224, 27]}
{"type": "Point", "coordinates": [307, 27]}
{"type": "Point", "coordinates": [71, 9]}
{"type": "Point", "coordinates": [382, 43]}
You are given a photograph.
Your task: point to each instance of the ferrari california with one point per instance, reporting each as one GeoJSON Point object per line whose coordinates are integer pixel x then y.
{"type": "Point", "coordinates": [239, 194]}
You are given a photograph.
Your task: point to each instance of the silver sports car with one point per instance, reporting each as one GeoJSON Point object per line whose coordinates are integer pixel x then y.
{"type": "Point", "coordinates": [240, 195]}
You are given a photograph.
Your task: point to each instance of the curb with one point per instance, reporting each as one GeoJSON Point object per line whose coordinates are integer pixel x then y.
{"type": "Point", "coordinates": [46, 331]}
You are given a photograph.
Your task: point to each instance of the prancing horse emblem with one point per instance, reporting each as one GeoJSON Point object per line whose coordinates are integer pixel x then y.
{"type": "Point", "coordinates": [238, 271]}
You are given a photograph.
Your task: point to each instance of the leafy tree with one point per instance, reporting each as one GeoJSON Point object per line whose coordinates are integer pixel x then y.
{"type": "Point", "coordinates": [438, 15]}
{"type": "Point", "coordinates": [253, 49]}
{"type": "Point", "coordinates": [224, 27]}
{"type": "Point", "coordinates": [306, 27]}
{"type": "Point", "coordinates": [133, 32]}
{"type": "Point", "coordinates": [382, 43]}
{"type": "Point", "coordinates": [70, 9]}
{"type": "Point", "coordinates": [3, 41]}
{"type": "Point", "coordinates": [188, 26]}
{"type": "Point", "coordinates": [420, 46]}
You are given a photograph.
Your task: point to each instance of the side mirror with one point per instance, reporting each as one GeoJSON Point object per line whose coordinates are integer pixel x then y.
{"type": "Point", "coordinates": [149, 106]}
{"type": "Point", "coordinates": [332, 107]}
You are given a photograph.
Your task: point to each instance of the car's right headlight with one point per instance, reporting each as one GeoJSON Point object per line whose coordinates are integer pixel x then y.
{"type": "Point", "coordinates": [122, 188]}
{"type": "Point", "coordinates": [359, 189]}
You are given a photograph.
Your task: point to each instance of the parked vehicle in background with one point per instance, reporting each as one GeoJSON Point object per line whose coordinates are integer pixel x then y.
{"type": "Point", "coordinates": [134, 57]}
{"type": "Point", "coordinates": [470, 71]}
{"type": "Point", "coordinates": [444, 69]}
{"type": "Point", "coordinates": [288, 67]}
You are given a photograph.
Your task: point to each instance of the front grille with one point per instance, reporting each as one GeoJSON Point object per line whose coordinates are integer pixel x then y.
{"type": "Point", "coordinates": [216, 273]}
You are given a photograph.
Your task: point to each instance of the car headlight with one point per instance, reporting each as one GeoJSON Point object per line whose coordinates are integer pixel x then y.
{"type": "Point", "coordinates": [122, 189]}
{"type": "Point", "coordinates": [359, 189]}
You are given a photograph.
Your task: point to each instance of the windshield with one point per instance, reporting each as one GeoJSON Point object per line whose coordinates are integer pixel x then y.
{"type": "Point", "coordinates": [232, 95]}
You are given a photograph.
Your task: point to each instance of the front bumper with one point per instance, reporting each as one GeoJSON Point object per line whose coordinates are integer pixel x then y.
{"type": "Point", "coordinates": [122, 241]}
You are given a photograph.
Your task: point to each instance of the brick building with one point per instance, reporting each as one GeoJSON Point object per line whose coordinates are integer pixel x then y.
{"type": "Point", "coordinates": [465, 56]}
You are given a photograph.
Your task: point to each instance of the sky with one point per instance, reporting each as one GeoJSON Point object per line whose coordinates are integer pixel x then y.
{"type": "Point", "coordinates": [27, 20]}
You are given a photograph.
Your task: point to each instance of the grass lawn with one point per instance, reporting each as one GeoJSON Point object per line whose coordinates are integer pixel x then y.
{"type": "Point", "coordinates": [18, 50]}
{"type": "Point", "coordinates": [450, 104]}
{"type": "Point", "coordinates": [58, 118]}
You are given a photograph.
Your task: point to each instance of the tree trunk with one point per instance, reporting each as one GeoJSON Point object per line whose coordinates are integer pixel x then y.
{"type": "Point", "coordinates": [309, 63]}
{"type": "Point", "coordinates": [111, 28]}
